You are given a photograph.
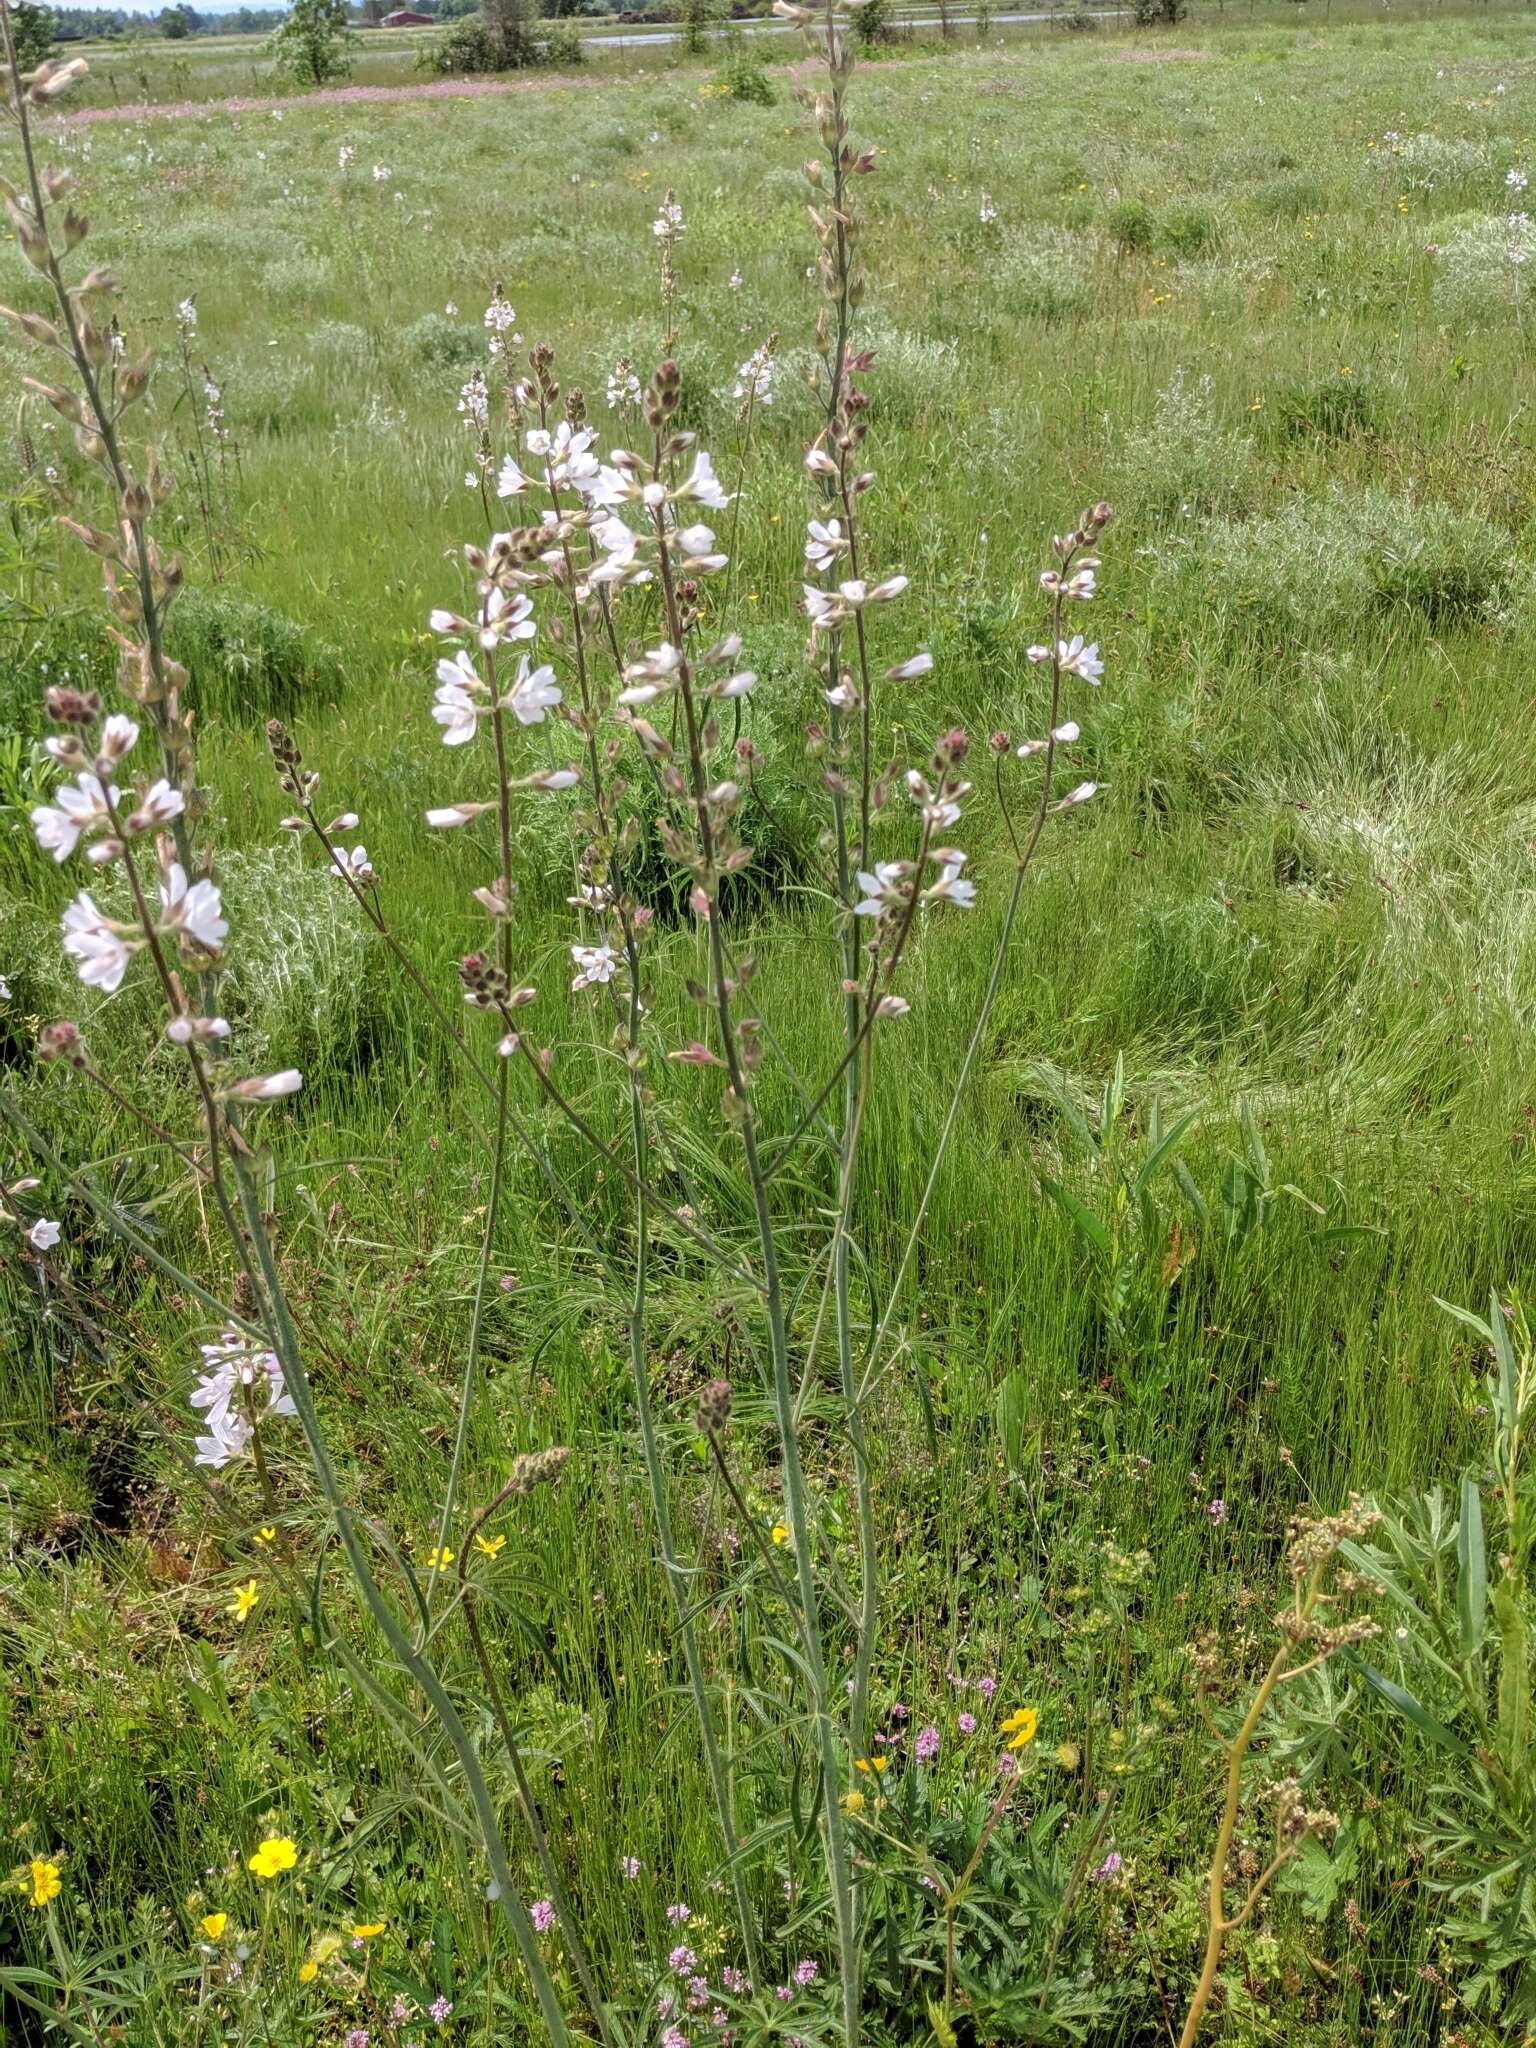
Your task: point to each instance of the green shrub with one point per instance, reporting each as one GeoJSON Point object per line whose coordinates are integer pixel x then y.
{"type": "Point", "coordinates": [745, 79]}
{"type": "Point", "coordinates": [1131, 224]}
{"type": "Point", "coordinates": [443, 343]}
{"type": "Point", "coordinates": [313, 42]}
{"type": "Point", "coordinates": [1331, 410]}
{"type": "Point", "coordinates": [249, 660]}
{"type": "Point", "coordinates": [561, 47]}
{"type": "Point", "coordinates": [1187, 230]}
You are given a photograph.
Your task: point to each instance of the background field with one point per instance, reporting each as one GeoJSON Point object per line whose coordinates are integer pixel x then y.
{"type": "Point", "coordinates": [1254, 285]}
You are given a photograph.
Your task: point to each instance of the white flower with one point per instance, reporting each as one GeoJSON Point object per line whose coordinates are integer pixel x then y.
{"type": "Point", "coordinates": [160, 804]}
{"type": "Point", "coordinates": [740, 685]}
{"type": "Point", "coordinates": [884, 890]}
{"type": "Point", "coordinates": [344, 156]}
{"type": "Point", "coordinates": [450, 815]}
{"type": "Point", "coordinates": [825, 542]}
{"type": "Point", "coordinates": [568, 460]}
{"type": "Point", "coordinates": [533, 693]}
{"type": "Point", "coordinates": [510, 482]}
{"type": "Point", "coordinates": [356, 863]}
{"type": "Point", "coordinates": [196, 912]}
{"type": "Point", "coordinates": [1080, 585]}
{"type": "Point", "coordinates": [697, 539]}
{"type": "Point", "coordinates": [668, 224]}
{"type": "Point", "coordinates": [937, 809]}
{"type": "Point", "coordinates": [1515, 180]}
{"type": "Point", "coordinates": [43, 1235]}
{"type": "Point", "coordinates": [183, 1030]}
{"type": "Point", "coordinates": [623, 385]}
{"type": "Point", "coordinates": [457, 713]}
{"type": "Point", "coordinates": [223, 1443]}
{"type": "Point", "coordinates": [701, 486]}
{"type": "Point", "coordinates": [381, 174]}
{"type": "Point", "coordinates": [119, 736]}
{"type": "Point", "coordinates": [1080, 795]}
{"type": "Point", "coordinates": [1078, 660]}
{"type": "Point", "coordinates": [950, 887]}
{"type": "Point", "coordinates": [99, 949]}
{"type": "Point", "coordinates": [227, 1390]}
{"type": "Point", "coordinates": [81, 806]}
{"type": "Point", "coordinates": [1063, 736]}
{"type": "Point", "coordinates": [754, 378]}
{"type": "Point", "coordinates": [500, 317]}
{"type": "Point", "coordinates": [593, 964]}
{"type": "Point", "coordinates": [186, 314]}
{"type": "Point", "coordinates": [508, 616]}
{"type": "Point", "coordinates": [268, 1087]}
{"type": "Point", "coordinates": [988, 210]}
{"type": "Point", "coordinates": [909, 670]}
{"type": "Point", "coordinates": [614, 486]}
{"type": "Point", "coordinates": [651, 676]}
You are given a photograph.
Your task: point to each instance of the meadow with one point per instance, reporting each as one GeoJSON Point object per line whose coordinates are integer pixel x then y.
{"type": "Point", "coordinates": [1256, 1099]}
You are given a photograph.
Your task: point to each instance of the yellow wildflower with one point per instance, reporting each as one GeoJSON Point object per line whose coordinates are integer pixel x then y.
{"type": "Point", "coordinates": [871, 1763]}
{"type": "Point", "coordinates": [1021, 1727]}
{"type": "Point", "coordinates": [245, 1599]}
{"type": "Point", "coordinates": [308, 1972]}
{"type": "Point", "coordinates": [779, 1533]}
{"type": "Point", "coordinates": [266, 1535]}
{"type": "Point", "coordinates": [368, 1930]}
{"type": "Point", "coordinates": [490, 1546]}
{"type": "Point", "coordinates": [42, 1882]}
{"type": "Point", "coordinates": [439, 1560]}
{"type": "Point", "coordinates": [214, 1924]}
{"type": "Point", "coordinates": [276, 1854]}
{"type": "Point", "coordinates": [1068, 1755]}
{"type": "Point", "coordinates": [853, 1802]}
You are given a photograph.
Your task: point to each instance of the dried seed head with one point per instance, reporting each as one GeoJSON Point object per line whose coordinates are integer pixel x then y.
{"type": "Point", "coordinates": [714, 1413]}
{"type": "Point", "coordinates": [537, 1468]}
{"type": "Point", "coordinates": [483, 983]}
{"type": "Point", "coordinates": [72, 707]}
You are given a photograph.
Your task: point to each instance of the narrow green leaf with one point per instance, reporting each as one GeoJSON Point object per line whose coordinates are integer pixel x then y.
{"type": "Point", "coordinates": [1471, 1570]}
{"type": "Point", "coordinates": [1403, 1702]}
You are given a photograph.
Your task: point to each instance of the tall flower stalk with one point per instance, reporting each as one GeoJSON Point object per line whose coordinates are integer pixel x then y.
{"type": "Point", "coordinates": [175, 923]}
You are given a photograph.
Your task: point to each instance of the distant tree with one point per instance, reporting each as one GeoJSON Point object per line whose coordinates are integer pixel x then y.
{"type": "Point", "coordinates": [508, 32]}
{"type": "Point", "coordinates": [33, 27]}
{"type": "Point", "coordinates": [313, 43]}
{"type": "Point", "coordinates": [177, 22]}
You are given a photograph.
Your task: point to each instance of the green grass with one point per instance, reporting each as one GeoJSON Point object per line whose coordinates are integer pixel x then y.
{"type": "Point", "coordinates": [1208, 295]}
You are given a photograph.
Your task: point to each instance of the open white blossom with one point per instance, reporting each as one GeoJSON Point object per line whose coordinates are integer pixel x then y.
{"type": "Point", "coordinates": [825, 542]}
{"type": "Point", "coordinates": [569, 463]}
{"type": "Point", "coordinates": [194, 911]}
{"type": "Point", "coordinates": [356, 864]}
{"type": "Point", "coordinates": [242, 1380]}
{"type": "Point", "coordinates": [80, 807]}
{"type": "Point", "coordinates": [44, 1234]}
{"type": "Point", "coordinates": [533, 692]}
{"type": "Point", "coordinates": [701, 486]}
{"type": "Point", "coordinates": [951, 887]}
{"type": "Point", "coordinates": [99, 948]}
{"type": "Point", "coordinates": [594, 964]}
{"type": "Point", "coordinates": [884, 890]}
